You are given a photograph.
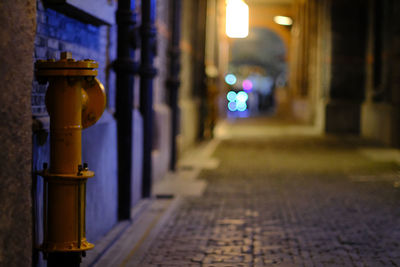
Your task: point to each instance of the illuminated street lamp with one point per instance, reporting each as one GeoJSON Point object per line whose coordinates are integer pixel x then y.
{"type": "Point", "coordinates": [237, 19]}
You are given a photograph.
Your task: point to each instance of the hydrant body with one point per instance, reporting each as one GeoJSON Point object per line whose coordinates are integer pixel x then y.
{"type": "Point", "coordinates": [75, 99]}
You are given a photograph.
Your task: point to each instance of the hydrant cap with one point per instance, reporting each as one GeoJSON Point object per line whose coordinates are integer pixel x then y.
{"type": "Point", "coordinates": [66, 66]}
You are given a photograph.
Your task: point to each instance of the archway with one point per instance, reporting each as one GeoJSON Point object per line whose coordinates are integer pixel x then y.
{"type": "Point", "coordinates": [259, 63]}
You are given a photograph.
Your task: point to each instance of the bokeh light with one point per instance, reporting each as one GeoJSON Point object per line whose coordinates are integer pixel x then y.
{"type": "Point", "coordinates": [241, 106]}
{"type": "Point", "coordinates": [237, 101]}
{"type": "Point", "coordinates": [283, 20]}
{"type": "Point", "coordinates": [242, 96]}
{"type": "Point", "coordinates": [237, 19]}
{"type": "Point", "coordinates": [247, 85]}
{"type": "Point", "coordinates": [232, 106]}
{"type": "Point", "coordinates": [230, 79]}
{"type": "Point", "coordinates": [231, 96]}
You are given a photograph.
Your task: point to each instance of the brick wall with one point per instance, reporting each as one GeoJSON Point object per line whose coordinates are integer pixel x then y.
{"type": "Point", "coordinates": [57, 32]}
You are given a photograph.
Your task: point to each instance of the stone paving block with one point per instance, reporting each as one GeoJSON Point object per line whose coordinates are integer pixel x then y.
{"type": "Point", "coordinates": [300, 209]}
{"type": "Point", "coordinates": [227, 265]}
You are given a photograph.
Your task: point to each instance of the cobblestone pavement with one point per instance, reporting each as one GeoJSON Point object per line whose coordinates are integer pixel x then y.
{"type": "Point", "coordinates": [287, 201]}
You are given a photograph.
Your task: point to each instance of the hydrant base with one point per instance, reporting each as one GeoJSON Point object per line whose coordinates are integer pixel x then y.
{"type": "Point", "coordinates": [49, 247]}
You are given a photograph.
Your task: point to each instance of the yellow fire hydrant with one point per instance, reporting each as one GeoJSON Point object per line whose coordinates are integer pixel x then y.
{"type": "Point", "coordinates": [75, 100]}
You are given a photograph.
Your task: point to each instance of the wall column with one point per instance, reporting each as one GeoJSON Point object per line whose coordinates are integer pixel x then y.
{"type": "Point", "coordinates": [346, 88]}
{"type": "Point", "coordinates": [173, 81]}
{"type": "Point", "coordinates": [381, 110]}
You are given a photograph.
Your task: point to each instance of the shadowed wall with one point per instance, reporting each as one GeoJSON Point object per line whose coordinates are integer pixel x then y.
{"type": "Point", "coordinates": [18, 20]}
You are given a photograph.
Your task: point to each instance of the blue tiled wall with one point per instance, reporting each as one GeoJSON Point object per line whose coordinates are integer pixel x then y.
{"type": "Point", "coordinates": [62, 28]}
{"type": "Point", "coordinates": [57, 32]}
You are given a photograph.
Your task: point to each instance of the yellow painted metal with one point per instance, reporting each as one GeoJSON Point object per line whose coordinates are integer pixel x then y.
{"type": "Point", "coordinates": [94, 98]}
{"type": "Point", "coordinates": [75, 99]}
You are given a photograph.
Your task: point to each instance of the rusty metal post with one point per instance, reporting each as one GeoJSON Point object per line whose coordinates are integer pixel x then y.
{"type": "Point", "coordinates": [173, 80]}
{"type": "Point", "coordinates": [147, 74]}
{"type": "Point", "coordinates": [125, 68]}
{"type": "Point", "coordinates": [75, 100]}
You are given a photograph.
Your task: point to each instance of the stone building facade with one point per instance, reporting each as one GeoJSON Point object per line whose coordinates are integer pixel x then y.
{"type": "Point", "coordinates": [343, 72]}
{"type": "Point", "coordinates": [343, 78]}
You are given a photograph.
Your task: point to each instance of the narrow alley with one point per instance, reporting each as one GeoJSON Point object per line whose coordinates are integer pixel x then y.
{"type": "Point", "coordinates": [155, 133]}
{"type": "Point", "coordinates": [278, 198]}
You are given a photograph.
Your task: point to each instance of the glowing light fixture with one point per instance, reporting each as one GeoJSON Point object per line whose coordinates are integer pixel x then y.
{"type": "Point", "coordinates": [283, 20]}
{"type": "Point", "coordinates": [237, 19]}
{"type": "Point", "coordinates": [230, 79]}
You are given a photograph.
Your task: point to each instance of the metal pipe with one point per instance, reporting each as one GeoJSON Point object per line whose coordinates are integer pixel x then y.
{"type": "Point", "coordinates": [125, 68]}
{"type": "Point", "coordinates": [74, 100]}
{"type": "Point", "coordinates": [147, 74]}
{"type": "Point", "coordinates": [173, 81]}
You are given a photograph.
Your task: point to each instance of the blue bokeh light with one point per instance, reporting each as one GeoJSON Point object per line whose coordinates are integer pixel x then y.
{"type": "Point", "coordinates": [237, 101]}
{"type": "Point", "coordinates": [241, 106]}
{"type": "Point", "coordinates": [231, 96]}
{"type": "Point", "coordinates": [242, 96]}
{"type": "Point", "coordinates": [230, 79]}
{"type": "Point", "coordinates": [232, 106]}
